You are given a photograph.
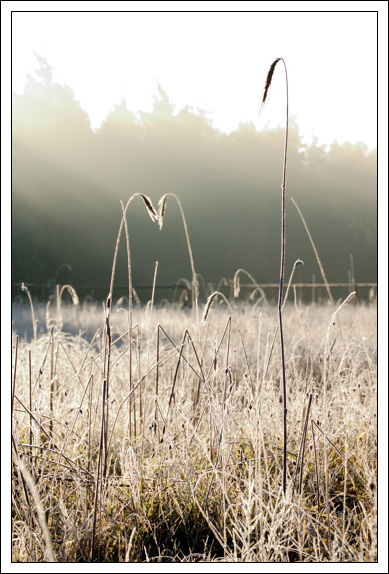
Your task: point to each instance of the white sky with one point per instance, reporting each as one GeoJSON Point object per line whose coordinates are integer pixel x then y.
{"type": "Point", "coordinates": [216, 61]}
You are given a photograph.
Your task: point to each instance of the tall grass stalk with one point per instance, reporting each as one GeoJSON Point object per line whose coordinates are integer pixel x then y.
{"type": "Point", "coordinates": [195, 287]}
{"type": "Point", "coordinates": [52, 382]}
{"type": "Point", "coordinates": [154, 217]}
{"type": "Point", "coordinates": [14, 375]}
{"type": "Point", "coordinates": [327, 352]}
{"type": "Point", "coordinates": [282, 262]}
{"type": "Point", "coordinates": [98, 471]}
{"type": "Point", "coordinates": [34, 323]}
{"type": "Point", "coordinates": [129, 317]}
{"type": "Point", "coordinates": [30, 400]}
{"type": "Point", "coordinates": [296, 264]}
{"type": "Point", "coordinates": [316, 253]}
{"type": "Point", "coordinates": [300, 457]}
{"type": "Point", "coordinates": [145, 395]}
{"type": "Point", "coordinates": [107, 330]}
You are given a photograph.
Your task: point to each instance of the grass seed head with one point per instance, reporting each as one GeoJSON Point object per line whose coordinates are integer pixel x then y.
{"type": "Point", "coordinates": [236, 285]}
{"type": "Point", "coordinates": [269, 78]}
{"type": "Point", "coordinates": [162, 209]}
{"type": "Point", "coordinates": [150, 207]}
{"type": "Point", "coordinates": [208, 306]}
{"type": "Point", "coordinates": [72, 292]}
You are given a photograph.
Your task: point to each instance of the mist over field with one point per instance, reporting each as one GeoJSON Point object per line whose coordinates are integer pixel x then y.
{"type": "Point", "coordinates": [67, 183]}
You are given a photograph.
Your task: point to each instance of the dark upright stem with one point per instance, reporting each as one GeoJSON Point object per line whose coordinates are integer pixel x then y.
{"type": "Point", "coordinates": [280, 292]}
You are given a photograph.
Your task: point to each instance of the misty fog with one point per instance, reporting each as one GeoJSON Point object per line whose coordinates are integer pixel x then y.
{"type": "Point", "coordinates": [67, 183]}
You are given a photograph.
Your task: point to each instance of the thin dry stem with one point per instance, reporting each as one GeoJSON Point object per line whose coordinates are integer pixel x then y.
{"type": "Point", "coordinates": [282, 263]}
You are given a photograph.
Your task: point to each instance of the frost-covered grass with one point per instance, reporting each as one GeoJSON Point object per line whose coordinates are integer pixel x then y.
{"type": "Point", "coordinates": [182, 461]}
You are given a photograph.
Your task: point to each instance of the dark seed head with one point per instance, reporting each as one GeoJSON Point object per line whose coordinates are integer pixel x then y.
{"type": "Point", "coordinates": [269, 78]}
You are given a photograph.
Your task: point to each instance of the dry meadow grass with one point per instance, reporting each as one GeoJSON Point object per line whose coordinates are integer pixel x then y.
{"type": "Point", "coordinates": [186, 465]}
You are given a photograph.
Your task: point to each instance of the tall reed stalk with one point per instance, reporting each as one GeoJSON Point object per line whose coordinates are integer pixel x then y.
{"type": "Point", "coordinates": [154, 217]}
{"type": "Point", "coordinates": [195, 286]}
{"type": "Point", "coordinates": [282, 263]}
{"type": "Point", "coordinates": [34, 323]}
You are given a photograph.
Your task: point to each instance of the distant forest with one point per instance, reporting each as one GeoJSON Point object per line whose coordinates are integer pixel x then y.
{"type": "Point", "coordinates": [67, 183]}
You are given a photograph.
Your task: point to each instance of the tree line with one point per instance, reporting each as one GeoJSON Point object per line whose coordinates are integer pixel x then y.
{"type": "Point", "coordinates": [68, 180]}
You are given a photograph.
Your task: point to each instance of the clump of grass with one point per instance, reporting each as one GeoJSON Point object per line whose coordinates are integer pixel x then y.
{"type": "Point", "coordinates": [27, 478]}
